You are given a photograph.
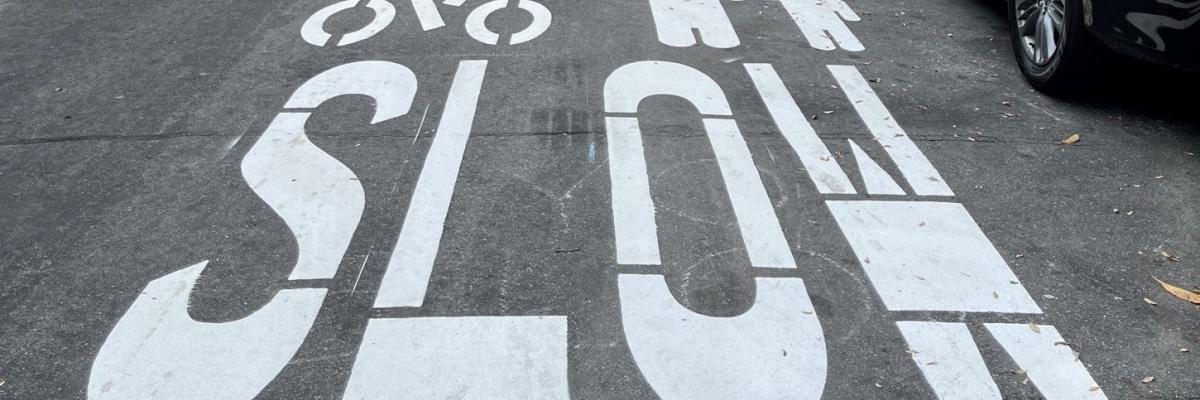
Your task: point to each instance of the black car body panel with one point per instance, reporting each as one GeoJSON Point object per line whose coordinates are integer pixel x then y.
{"type": "Point", "coordinates": [1161, 31]}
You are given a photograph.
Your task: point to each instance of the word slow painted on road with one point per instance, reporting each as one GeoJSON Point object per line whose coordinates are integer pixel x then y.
{"type": "Point", "coordinates": [920, 250]}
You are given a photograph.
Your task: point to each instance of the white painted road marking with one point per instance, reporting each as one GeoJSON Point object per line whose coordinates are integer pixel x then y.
{"type": "Point", "coordinates": [476, 27]}
{"type": "Point", "coordinates": [427, 14]}
{"type": "Point", "coordinates": [628, 85]}
{"type": "Point", "coordinates": [874, 177]}
{"type": "Point", "coordinates": [678, 22]}
{"type": "Point", "coordinates": [776, 350]}
{"type": "Point", "coordinates": [793, 125]}
{"type": "Point", "coordinates": [821, 23]}
{"type": "Point", "coordinates": [313, 31]}
{"type": "Point", "coordinates": [462, 358]}
{"type": "Point", "coordinates": [929, 256]}
{"type": "Point", "coordinates": [921, 175]}
{"type": "Point", "coordinates": [392, 86]}
{"type": "Point", "coordinates": [921, 256]}
{"type": "Point", "coordinates": [755, 213]}
{"type": "Point", "coordinates": [411, 264]}
{"type": "Point", "coordinates": [946, 354]}
{"type": "Point", "coordinates": [478, 30]}
{"type": "Point", "coordinates": [1053, 368]}
{"type": "Point", "coordinates": [633, 208]}
{"type": "Point", "coordinates": [541, 22]}
{"type": "Point", "coordinates": [157, 351]}
{"type": "Point", "coordinates": [634, 226]}
{"type": "Point", "coordinates": [316, 195]}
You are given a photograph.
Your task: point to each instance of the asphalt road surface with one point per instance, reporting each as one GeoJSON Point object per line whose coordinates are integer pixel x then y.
{"type": "Point", "coordinates": [628, 199]}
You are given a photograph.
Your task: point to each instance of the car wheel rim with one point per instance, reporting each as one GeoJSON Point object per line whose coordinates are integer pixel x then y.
{"type": "Point", "coordinates": [1040, 27]}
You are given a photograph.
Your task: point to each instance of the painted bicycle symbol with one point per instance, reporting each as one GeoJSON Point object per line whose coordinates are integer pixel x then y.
{"type": "Point", "coordinates": [430, 18]}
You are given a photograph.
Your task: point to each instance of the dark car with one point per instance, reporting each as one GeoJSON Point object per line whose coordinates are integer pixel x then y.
{"type": "Point", "coordinates": [1065, 45]}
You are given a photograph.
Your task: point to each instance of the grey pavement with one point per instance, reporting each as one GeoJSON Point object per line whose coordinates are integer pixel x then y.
{"type": "Point", "coordinates": [123, 125]}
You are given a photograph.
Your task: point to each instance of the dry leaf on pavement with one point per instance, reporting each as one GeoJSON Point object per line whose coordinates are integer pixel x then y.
{"type": "Point", "coordinates": [1184, 294]}
{"type": "Point", "coordinates": [1074, 138]}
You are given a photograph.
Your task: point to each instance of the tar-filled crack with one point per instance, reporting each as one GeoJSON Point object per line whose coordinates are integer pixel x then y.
{"type": "Point", "coordinates": [111, 138]}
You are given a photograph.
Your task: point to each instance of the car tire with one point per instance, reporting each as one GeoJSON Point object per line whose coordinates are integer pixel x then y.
{"type": "Point", "coordinates": [1077, 63]}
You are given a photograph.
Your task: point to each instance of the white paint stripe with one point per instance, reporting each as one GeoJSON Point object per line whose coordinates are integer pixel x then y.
{"type": "Point", "coordinates": [818, 161]}
{"type": "Point", "coordinates": [628, 85]}
{"type": "Point", "coordinates": [476, 26]}
{"type": "Point", "coordinates": [634, 225]}
{"type": "Point", "coordinates": [776, 350]}
{"type": "Point", "coordinates": [765, 242]}
{"type": "Point", "coordinates": [821, 23]}
{"type": "Point", "coordinates": [157, 351]}
{"type": "Point", "coordinates": [358, 276]}
{"type": "Point", "coordinates": [874, 177]}
{"type": "Point", "coordinates": [462, 358]}
{"type": "Point", "coordinates": [541, 22]}
{"type": "Point", "coordinates": [1053, 368]}
{"type": "Point", "coordinates": [313, 30]}
{"type": "Point", "coordinates": [633, 208]}
{"type": "Point", "coordinates": [947, 356]}
{"type": "Point", "coordinates": [921, 175]}
{"type": "Point", "coordinates": [454, 3]}
{"type": "Point", "coordinates": [231, 144]}
{"type": "Point", "coordinates": [385, 12]}
{"type": "Point", "coordinates": [927, 256]}
{"type": "Point", "coordinates": [411, 264]}
{"type": "Point", "coordinates": [421, 125]}
{"type": "Point", "coordinates": [392, 86]}
{"type": "Point", "coordinates": [675, 21]}
{"type": "Point", "coordinates": [318, 197]}
{"type": "Point", "coordinates": [427, 14]}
